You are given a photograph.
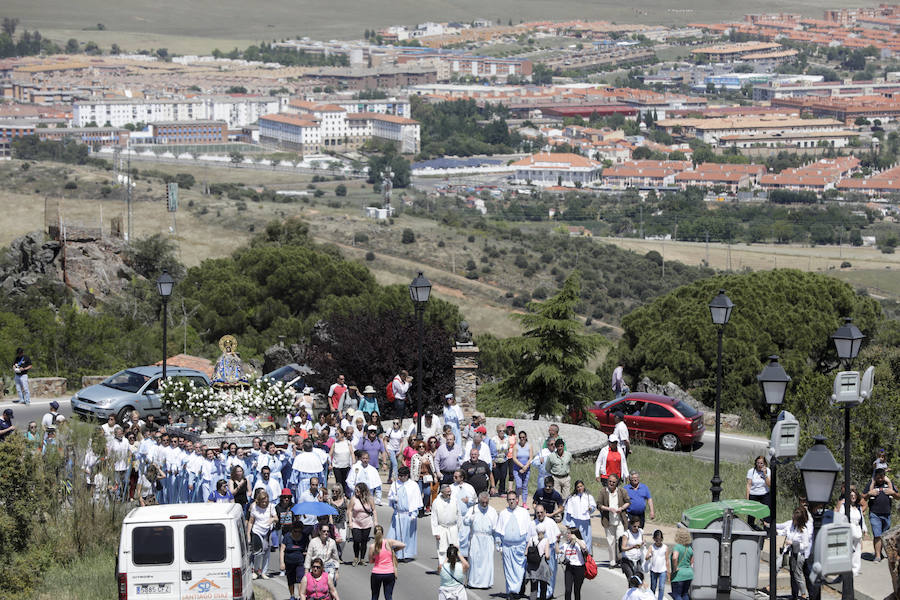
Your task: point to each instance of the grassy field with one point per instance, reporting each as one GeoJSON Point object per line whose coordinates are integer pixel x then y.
{"type": "Point", "coordinates": [193, 22]}
{"type": "Point", "coordinates": [879, 283]}
{"type": "Point", "coordinates": [90, 578]}
{"type": "Point", "coordinates": [764, 256]}
{"type": "Point", "coordinates": [677, 481]}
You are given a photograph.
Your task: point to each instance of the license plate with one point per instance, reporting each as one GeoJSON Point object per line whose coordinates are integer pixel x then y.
{"type": "Point", "coordinates": [154, 588]}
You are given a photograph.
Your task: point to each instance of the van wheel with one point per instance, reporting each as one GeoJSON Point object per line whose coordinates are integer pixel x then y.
{"type": "Point", "coordinates": [669, 441]}
{"type": "Point", "coordinates": [124, 414]}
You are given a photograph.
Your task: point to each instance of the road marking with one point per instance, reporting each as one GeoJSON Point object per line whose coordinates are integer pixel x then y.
{"type": "Point", "coordinates": [33, 403]}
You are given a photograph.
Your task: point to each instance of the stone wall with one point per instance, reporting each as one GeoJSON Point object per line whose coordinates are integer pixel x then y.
{"type": "Point", "coordinates": [47, 387]}
{"type": "Point", "coordinates": [465, 367]}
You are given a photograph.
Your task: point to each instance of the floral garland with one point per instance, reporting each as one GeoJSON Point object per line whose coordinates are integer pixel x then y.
{"type": "Point", "coordinates": [182, 395]}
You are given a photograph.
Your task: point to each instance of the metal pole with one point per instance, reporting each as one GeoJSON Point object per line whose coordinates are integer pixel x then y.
{"type": "Point", "coordinates": [716, 481]}
{"type": "Point", "coordinates": [847, 578]}
{"type": "Point", "coordinates": [419, 310]}
{"type": "Point", "coordinates": [165, 318]}
{"type": "Point", "coordinates": [815, 589]}
{"type": "Point", "coordinates": [773, 495]}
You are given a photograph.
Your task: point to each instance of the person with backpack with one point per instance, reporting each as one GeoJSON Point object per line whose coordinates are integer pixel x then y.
{"type": "Point", "coordinates": [537, 563]}
{"type": "Point", "coordinates": [573, 555]}
{"type": "Point", "coordinates": [397, 390]}
{"type": "Point", "coordinates": [452, 571]}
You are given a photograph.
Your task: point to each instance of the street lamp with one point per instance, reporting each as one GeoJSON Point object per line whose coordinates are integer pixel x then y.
{"type": "Point", "coordinates": [773, 381]}
{"type": "Point", "coordinates": [847, 340]}
{"type": "Point", "coordinates": [419, 291]}
{"type": "Point", "coordinates": [819, 471]}
{"type": "Point", "coordinates": [720, 310]}
{"type": "Point", "coordinates": [164, 285]}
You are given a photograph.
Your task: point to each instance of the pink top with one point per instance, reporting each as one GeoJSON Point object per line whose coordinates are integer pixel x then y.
{"type": "Point", "coordinates": [359, 517]}
{"type": "Point", "coordinates": [408, 453]}
{"type": "Point", "coordinates": [384, 564]}
{"type": "Point", "coordinates": [317, 589]}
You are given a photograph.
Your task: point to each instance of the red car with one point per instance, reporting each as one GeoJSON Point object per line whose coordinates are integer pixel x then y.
{"type": "Point", "coordinates": [669, 422]}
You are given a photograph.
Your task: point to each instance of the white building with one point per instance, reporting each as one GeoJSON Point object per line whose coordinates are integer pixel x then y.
{"type": "Point", "coordinates": [550, 169]}
{"type": "Point", "coordinates": [342, 129]}
{"type": "Point", "coordinates": [237, 111]}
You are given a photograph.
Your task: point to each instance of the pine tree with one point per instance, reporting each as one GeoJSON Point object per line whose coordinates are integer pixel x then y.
{"type": "Point", "coordinates": [550, 377]}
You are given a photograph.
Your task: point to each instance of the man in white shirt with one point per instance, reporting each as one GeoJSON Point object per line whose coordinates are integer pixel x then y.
{"type": "Point", "coordinates": [431, 426]}
{"type": "Point", "coordinates": [400, 387]}
{"type": "Point", "coordinates": [307, 464]}
{"type": "Point", "coordinates": [618, 381]}
{"type": "Point", "coordinates": [551, 533]}
{"type": "Point", "coordinates": [602, 466]}
{"type": "Point", "coordinates": [268, 483]}
{"type": "Point", "coordinates": [49, 419]}
{"type": "Point", "coordinates": [484, 450]}
{"type": "Point", "coordinates": [363, 472]}
{"type": "Point", "coordinates": [445, 522]}
{"type": "Point", "coordinates": [621, 432]}
{"type": "Point", "coordinates": [275, 460]}
{"type": "Point", "coordinates": [119, 452]}
{"type": "Point", "coordinates": [193, 465]}
{"type": "Point", "coordinates": [109, 428]}
{"type": "Point", "coordinates": [464, 495]}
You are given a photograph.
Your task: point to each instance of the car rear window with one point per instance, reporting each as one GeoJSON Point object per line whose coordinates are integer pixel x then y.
{"type": "Point", "coordinates": [204, 543]}
{"type": "Point", "coordinates": [686, 410]}
{"type": "Point", "coordinates": [153, 545]}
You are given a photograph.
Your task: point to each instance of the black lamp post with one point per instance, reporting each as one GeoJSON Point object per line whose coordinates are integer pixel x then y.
{"type": "Point", "coordinates": [847, 341]}
{"type": "Point", "coordinates": [720, 310]}
{"type": "Point", "coordinates": [164, 285]}
{"type": "Point", "coordinates": [419, 291]}
{"type": "Point", "coordinates": [773, 380]}
{"type": "Point", "coordinates": [819, 471]}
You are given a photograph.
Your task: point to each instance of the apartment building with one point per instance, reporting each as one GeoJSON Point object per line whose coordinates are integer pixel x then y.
{"type": "Point", "coordinates": [336, 128]}
{"type": "Point", "coordinates": [733, 52]}
{"type": "Point", "coordinates": [192, 132]}
{"type": "Point", "coordinates": [883, 107]}
{"type": "Point", "coordinates": [236, 111]}
{"type": "Point", "coordinates": [761, 131]}
{"type": "Point", "coordinates": [770, 91]}
{"type": "Point", "coordinates": [885, 183]}
{"type": "Point", "coordinates": [644, 173]}
{"type": "Point", "coordinates": [94, 136]}
{"type": "Point", "coordinates": [818, 177]}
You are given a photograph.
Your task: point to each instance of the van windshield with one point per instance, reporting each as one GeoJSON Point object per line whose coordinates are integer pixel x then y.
{"type": "Point", "coordinates": [127, 381]}
{"type": "Point", "coordinates": [204, 543]}
{"type": "Point", "coordinates": [153, 545]}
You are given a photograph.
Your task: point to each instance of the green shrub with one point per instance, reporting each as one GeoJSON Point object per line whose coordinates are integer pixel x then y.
{"type": "Point", "coordinates": [408, 236]}
{"type": "Point", "coordinates": [71, 185]}
{"type": "Point", "coordinates": [340, 190]}
{"type": "Point", "coordinates": [370, 256]}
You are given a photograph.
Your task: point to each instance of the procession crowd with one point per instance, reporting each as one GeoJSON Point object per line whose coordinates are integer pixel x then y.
{"type": "Point", "coordinates": [346, 460]}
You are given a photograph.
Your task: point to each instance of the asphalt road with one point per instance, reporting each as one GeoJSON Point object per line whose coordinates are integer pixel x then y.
{"type": "Point", "coordinates": [418, 581]}
{"type": "Point", "coordinates": [34, 411]}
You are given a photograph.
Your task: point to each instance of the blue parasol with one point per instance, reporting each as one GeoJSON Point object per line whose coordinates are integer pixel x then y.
{"type": "Point", "coordinates": [317, 509]}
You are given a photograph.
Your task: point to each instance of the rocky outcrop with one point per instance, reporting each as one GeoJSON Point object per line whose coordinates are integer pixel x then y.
{"type": "Point", "coordinates": [280, 355]}
{"type": "Point", "coordinates": [93, 268]}
{"type": "Point", "coordinates": [729, 421]}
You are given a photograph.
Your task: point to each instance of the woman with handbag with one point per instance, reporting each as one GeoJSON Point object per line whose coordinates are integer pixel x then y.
{"type": "Point", "coordinates": [537, 568]}
{"type": "Point", "coordinates": [259, 527]}
{"type": "Point", "coordinates": [798, 540]}
{"type": "Point", "coordinates": [362, 518]}
{"type": "Point", "coordinates": [572, 556]}
{"type": "Point", "coordinates": [339, 521]}
{"type": "Point", "coordinates": [453, 576]}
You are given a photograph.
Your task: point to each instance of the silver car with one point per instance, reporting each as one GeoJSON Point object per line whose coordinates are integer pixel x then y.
{"type": "Point", "coordinates": [132, 389]}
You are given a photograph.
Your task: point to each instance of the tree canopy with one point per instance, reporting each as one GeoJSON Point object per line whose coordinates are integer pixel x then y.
{"type": "Point", "coordinates": [785, 312]}
{"type": "Point", "coordinates": [549, 375]}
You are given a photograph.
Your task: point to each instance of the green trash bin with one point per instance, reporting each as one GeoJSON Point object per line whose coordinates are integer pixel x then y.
{"type": "Point", "coordinates": [726, 549]}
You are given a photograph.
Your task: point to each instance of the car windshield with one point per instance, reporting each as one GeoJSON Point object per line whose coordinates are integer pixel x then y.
{"type": "Point", "coordinates": [686, 410]}
{"type": "Point", "coordinates": [610, 403]}
{"type": "Point", "coordinates": [286, 373]}
{"type": "Point", "coordinates": [127, 381]}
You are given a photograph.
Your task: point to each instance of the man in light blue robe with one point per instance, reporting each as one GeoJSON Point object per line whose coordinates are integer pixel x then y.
{"type": "Point", "coordinates": [514, 528]}
{"type": "Point", "coordinates": [481, 520]}
{"type": "Point", "coordinates": [452, 417]}
{"type": "Point", "coordinates": [406, 500]}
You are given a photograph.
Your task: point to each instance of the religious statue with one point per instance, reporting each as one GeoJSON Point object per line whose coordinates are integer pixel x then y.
{"type": "Point", "coordinates": [463, 335]}
{"type": "Point", "coordinates": [229, 371]}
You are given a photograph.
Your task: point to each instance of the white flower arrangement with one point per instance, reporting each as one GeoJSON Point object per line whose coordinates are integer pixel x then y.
{"type": "Point", "coordinates": [180, 395]}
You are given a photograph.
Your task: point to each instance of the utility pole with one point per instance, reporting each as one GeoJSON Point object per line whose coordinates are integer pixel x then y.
{"type": "Point", "coordinates": [128, 193]}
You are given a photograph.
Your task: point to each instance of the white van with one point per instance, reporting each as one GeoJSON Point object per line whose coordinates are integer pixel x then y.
{"type": "Point", "coordinates": [184, 552]}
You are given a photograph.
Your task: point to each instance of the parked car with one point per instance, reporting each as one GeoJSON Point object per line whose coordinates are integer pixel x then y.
{"type": "Point", "coordinates": [669, 422]}
{"type": "Point", "coordinates": [184, 551]}
{"type": "Point", "coordinates": [292, 374]}
{"type": "Point", "coordinates": [132, 389]}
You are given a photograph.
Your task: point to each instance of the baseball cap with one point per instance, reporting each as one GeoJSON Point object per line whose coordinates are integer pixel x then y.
{"type": "Point", "coordinates": [287, 492]}
{"type": "Point", "coordinates": [371, 428]}
{"type": "Point", "coordinates": [613, 438]}
{"type": "Point", "coordinates": [510, 424]}
{"type": "Point", "coordinates": [481, 429]}
{"type": "Point", "coordinates": [619, 414]}
{"type": "Point", "coordinates": [448, 396]}
{"type": "Point", "coordinates": [8, 412]}
{"type": "Point", "coordinates": [54, 404]}
{"type": "Point", "coordinates": [298, 419]}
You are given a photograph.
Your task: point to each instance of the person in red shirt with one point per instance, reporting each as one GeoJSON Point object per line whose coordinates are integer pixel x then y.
{"type": "Point", "coordinates": [336, 393]}
{"type": "Point", "coordinates": [611, 461]}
